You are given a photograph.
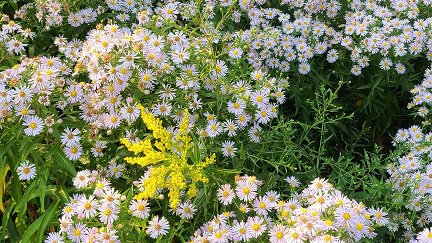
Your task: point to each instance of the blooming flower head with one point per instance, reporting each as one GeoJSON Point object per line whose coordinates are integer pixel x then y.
{"type": "Point", "coordinates": [34, 125]}
{"type": "Point", "coordinates": [140, 208]}
{"type": "Point", "coordinates": [246, 190]}
{"type": "Point", "coordinates": [225, 194]}
{"type": "Point", "coordinates": [26, 171]}
{"type": "Point", "coordinates": [157, 227]}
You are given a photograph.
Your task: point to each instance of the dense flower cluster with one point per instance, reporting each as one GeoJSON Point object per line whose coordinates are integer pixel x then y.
{"type": "Point", "coordinates": [82, 217]}
{"type": "Point", "coordinates": [411, 173]}
{"type": "Point", "coordinates": [178, 69]}
{"type": "Point", "coordinates": [213, 72]}
{"type": "Point", "coordinates": [320, 213]}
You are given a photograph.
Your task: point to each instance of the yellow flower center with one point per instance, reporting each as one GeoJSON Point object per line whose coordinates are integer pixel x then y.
{"type": "Point", "coordinates": [279, 235]}
{"type": "Point", "coordinates": [256, 227]}
{"type": "Point", "coordinates": [346, 216]}
{"type": "Point", "coordinates": [378, 215]}
{"type": "Point", "coordinates": [33, 125]}
{"type": "Point", "coordinates": [246, 190]}
{"type": "Point", "coordinates": [140, 207]}
{"type": "Point", "coordinates": [107, 212]}
{"type": "Point", "coordinates": [158, 227]}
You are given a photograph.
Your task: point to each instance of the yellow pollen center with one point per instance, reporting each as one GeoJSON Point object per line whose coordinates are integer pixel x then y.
{"type": "Point", "coordinates": [256, 227]}
{"type": "Point", "coordinates": [346, 216]}
{"type": "Point", "coordinates": [33, 125]}
{"type": "Point", "coordinates": [140, 207]}
{"type": "Point", "coordinates": [107, 212]}
{"type": "Point", "coordinates": [279, 235]}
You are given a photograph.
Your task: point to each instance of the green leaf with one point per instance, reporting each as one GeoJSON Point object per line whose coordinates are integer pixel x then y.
{"type": "Point", "coordinates": [14, 5]}
{"type": "Point", "coordinates": [50, 214]}
{"type": "Point", "coordinates": [37, 224]}
{"type": "Point", "coordinates": [60, 157]}
{"type": "Point", "coordinates": [5, 219]}
{"type": "Point", "coordinates": [22, 205]}
{"type": "Point", "coordinates": [3, 171]}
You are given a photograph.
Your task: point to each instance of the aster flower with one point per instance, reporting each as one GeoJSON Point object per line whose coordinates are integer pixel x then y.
{"type": "Point", "coordinates": [108, 214]}
{"type": "Point", "coordinates": [34, 125]}
{"type": "Point", "coordinates": [140, 208]}
{"type": "Point", "coordinates": [225, 194]}
{"type": "Point", "coordinates": [82, 179]}
{"type": "Point", "coordinates": [77, 232]}
{"type": "Point", "coordinates": [425, 235]}
{"type": "Point", "coordinates": [73, 152]}
{"type": "Point", "coordinates": [278, 234]}
{"type": "Point", "coordinates": [87, 206]}
{"type": "Point", "coordinates": [228, 149]}
{"type": "Point", "coordinates": [54, 237]}
{"type": "Point", "coordinates": [26, 171]}
{"type": "Point", "coordinates": [97, 151]}
{"type": "Point", "coordinates": [186, 210]}
{"type": "Point", "coordinates": [246, 190]}
{"type": "Point", "coordinates": [242, 231]}
{"type": "Point", "coordinates": [116, 170]}
{"type": "Point", "coordinates": [157, 227]}
{"type": "Point", "coordinates": [69, 137]}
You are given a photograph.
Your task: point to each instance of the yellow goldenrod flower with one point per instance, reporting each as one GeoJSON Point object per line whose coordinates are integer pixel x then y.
{"type": "Point", "coordinates": [170, 166]}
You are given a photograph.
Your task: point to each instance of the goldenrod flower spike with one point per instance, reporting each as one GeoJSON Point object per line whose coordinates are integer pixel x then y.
{"type": "Point", "coordinates": [169, 170]}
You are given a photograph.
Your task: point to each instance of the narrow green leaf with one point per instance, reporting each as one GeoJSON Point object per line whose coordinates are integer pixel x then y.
{"type": "Point", "coordinates": [22, 205]}
{"type": "Point", "coordinates": [60, 157]}
{"type": "Point", "coordinates": [5, 219]}
{"type": "Point", "coordinates": [50, 214]}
